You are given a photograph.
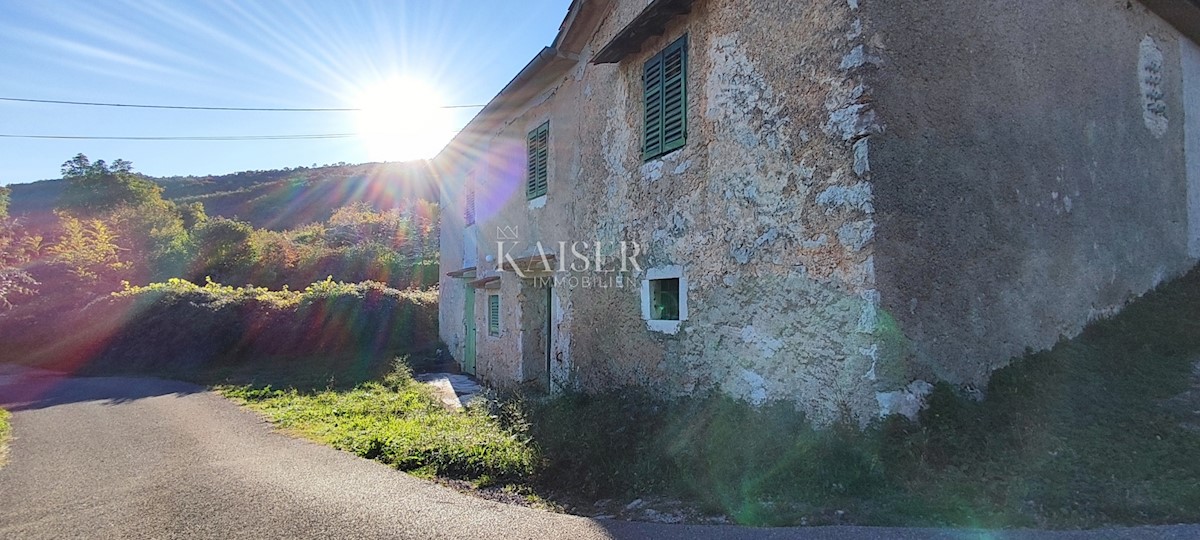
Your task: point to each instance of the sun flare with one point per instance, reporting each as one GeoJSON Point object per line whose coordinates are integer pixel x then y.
{"type": "Point", "coordinates": [402, 119]}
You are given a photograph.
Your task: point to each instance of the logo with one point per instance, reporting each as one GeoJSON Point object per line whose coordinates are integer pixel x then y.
{"type": "Point", "coordinates": [579, 263]}
{"type": "Point", "coordinates": [507, 232]}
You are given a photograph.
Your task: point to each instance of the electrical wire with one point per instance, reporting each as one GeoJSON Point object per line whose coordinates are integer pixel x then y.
{"type": "Point", "coordinates": [315, 136]}
{"type": "Point", "coordinates": [188, 138]}
{"type": "Point", "coordinates": [202, 108]}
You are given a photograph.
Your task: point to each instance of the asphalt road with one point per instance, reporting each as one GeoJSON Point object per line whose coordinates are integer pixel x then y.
{"type": "Point", "coordinates": [149, 458]}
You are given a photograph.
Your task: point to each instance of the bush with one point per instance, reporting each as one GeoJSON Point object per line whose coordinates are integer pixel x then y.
{"type": "Point", "coordinates": [178, 325]}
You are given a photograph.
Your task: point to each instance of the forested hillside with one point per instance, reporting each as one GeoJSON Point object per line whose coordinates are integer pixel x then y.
{"type": "Point", "coordinates": [299, 245]}
{"type": "Point", "coordinates": [277, 199]}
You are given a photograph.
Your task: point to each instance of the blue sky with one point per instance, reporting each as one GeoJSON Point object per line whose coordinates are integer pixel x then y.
{"type": "Point", "coordinates": [336, 54]}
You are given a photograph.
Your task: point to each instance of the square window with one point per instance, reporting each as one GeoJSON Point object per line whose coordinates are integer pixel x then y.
{"type": "Point", "coordinates": [664, 299]}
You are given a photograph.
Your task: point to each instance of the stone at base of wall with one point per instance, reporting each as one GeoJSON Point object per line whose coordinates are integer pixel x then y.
{"type": "Point", "coordinates": [908, 401]}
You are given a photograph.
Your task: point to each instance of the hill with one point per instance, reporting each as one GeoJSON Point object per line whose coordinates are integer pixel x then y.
{"type": "Point", "coordinates": [276, 199]}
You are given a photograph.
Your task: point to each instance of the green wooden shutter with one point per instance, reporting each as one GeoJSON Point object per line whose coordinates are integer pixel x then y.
{"type": "Point", "coordinates": [674, 113]}
{"type": "Point", "coordinates": [652, 82]}
{"type": "Point", "coordinates": [531, 157]}
{"type": "Point", "coordinates": [493, 315]}
{"type": "Point", "coordinates": [664, 79]}
{"type": "Point", "coordinates": [538, 155]}
{"type": "Point", "coordinates": [543, 176]}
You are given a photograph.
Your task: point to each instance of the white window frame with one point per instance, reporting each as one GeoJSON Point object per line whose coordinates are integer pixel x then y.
{"type": "Point", "coordinates": [665, 272]}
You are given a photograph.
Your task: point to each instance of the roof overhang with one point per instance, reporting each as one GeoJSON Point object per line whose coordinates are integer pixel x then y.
{"type": "Point", "coordinates": [651, 22]}
{"type": "Point", "coordinates": [580, 23]}
{"type": "Point", "coordinates": [492, 282]}
{"type": "Point", "coordinates": [1184, 15]}
{"type": "Point", "coordinates": [546, 67]}
{"type": "Point", "coordinates": [464, 273]}
{"type": "Point", "coordinates": [533, 264]}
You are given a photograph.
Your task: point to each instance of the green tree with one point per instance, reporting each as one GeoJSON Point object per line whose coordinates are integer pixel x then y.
{"type": "Point", "coordinates": [193, 214]}
{"type": "Point", "coordinates": [225, 249]}
{"type": "Point", "coordinates": [154, 236]}
{"type": "Point", "coordinates": [88, 248]}
{"type": "Point", "coordinates": [16, 249]}
{"type": "Point", "coordinates": [94, 188]}
{"type": "Point", "coordinates": [5, 193]}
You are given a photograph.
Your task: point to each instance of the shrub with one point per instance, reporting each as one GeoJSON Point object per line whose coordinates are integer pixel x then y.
{"type": "Point", "coordinates": [178, 325]}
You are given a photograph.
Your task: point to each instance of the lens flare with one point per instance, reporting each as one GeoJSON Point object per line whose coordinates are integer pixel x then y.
{"type": "Point", "coordinates": [402, 119]}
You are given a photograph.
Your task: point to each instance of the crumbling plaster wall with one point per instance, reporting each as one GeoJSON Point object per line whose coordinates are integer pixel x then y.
{"type": "Point", "coordinates": [503, 213]}
{"type": "Point", "coordinates": [451, 294]}
{"type": "Point", "coordinates": [768, 207]}
{"type": "Point", "coordinates": [1031, 174]}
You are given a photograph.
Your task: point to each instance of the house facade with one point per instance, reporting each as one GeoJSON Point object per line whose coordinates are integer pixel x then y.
{"type": "Point", "coordinates": [832, 203]}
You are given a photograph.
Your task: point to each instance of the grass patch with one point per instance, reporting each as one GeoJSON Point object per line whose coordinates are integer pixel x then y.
{"type": "Point", "coordinates": [1077, 436]}
{"type": "Point", "coordinates": [5, 434]}
{"type": "Point", "coordinates": [397, 421]}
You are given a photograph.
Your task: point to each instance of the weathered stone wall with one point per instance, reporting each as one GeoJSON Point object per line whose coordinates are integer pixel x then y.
{"type": "Point", "coordinates": [769, 209]}
{"type": "Point", "coordinates": [1031, 174]}
{"type": "Point", "coordinates": [766, 208]}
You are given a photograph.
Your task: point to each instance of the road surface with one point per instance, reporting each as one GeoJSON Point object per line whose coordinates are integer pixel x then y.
{"type": "Point", "coordinates": [149, 458]}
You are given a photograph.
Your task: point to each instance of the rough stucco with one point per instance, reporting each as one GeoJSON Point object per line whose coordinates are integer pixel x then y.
{"type": "Point", "coordinates": [871, 197]}
{"type": "Point", "coordinates": [1031, 174]}
{"type": "Point", "coordinates": [767, 208]}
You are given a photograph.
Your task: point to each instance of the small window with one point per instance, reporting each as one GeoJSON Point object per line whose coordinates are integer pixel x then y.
{"type": "Point", "coordinates": [538, 146]}
{"type": "Point", "coordinates": [469, 202]}
{"type": "Point", "coordinates": [664, 79]}
{"type": "Point", "coordinates": [494, 315]}
{"type": "Point", "coordinates": [664, 299]}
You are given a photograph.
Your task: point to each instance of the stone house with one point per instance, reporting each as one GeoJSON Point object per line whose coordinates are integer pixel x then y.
{"type": "Point", "coordinates": [829, 202]}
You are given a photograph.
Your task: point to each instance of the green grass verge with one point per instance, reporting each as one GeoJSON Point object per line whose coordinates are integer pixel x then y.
{"type": "Point", "coordinates": [398, 422]}
{"type": "Point", "coordinates": [1087, 434]}
{"type": "Point", "coordinates": [1083, 435]}
{"type": "Point", "coordinates": [5, 433]}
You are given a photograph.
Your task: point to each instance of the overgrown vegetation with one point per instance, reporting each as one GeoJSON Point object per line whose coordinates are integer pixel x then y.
{"type": "Point", "coordinates": [336, 284]}
{"type": "Point", "coordinates": [5, 433]}
{"type": "Point", "coordinates": [111, 224]}
{"type": "Point", "coordinates": [1078, 436]}
{"type": "Point", "coordinates": [233, 327]}
{"type": "Point", "coordinates": [397, 421]}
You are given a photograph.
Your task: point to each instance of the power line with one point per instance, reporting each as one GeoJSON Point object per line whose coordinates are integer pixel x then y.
{"type": "Point", "coordinates": [201, 108]}
{"type": "Point", "coordinates": [186, 138]}
{"type": "Point", "coordinates": [192, 138]}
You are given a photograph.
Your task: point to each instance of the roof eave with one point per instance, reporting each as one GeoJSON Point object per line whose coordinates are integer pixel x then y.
{"type": "Point", "coordinates": [1184, 15]}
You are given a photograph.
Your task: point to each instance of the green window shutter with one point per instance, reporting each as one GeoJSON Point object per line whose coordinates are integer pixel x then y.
{"type": "Point", "coordinates": [674, 95]}
{"type": "Point", "coordinates": [538, 155]}
{"type": "Point", "coordinates": [652, 82]}
{"type": "Point", "coordinates": [664, 79]}
{"type": "Point", "coordinates": [531, 159]}
{"type": "Point", "coordinates": [493, 315]}
{"type": "Point", "coordinates": [543, 173]}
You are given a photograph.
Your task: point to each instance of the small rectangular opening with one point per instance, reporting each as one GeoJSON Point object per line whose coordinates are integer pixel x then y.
{"type": "Point", "coordinates": [664, 299]}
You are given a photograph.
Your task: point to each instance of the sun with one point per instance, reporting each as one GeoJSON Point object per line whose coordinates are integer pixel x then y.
{"type": "Point", "coordinates": [402, 119]}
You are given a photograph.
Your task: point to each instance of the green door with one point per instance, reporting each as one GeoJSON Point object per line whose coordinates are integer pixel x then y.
{"type": "Point", "coordinates": [469, 320]}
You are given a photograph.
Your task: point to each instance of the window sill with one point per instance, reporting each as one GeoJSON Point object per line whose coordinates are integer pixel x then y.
{"type": "Point", "coordinates": [665, 327]}
{"type": "Point", "coordinates": [537, 202]}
